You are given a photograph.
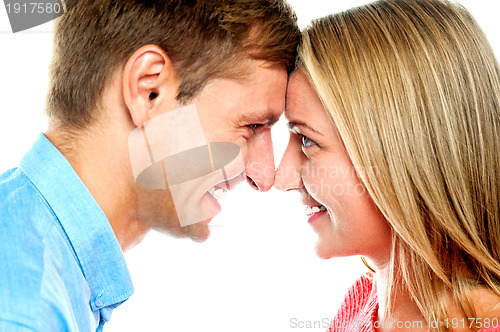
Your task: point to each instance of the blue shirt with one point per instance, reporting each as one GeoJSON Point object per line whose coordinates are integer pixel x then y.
{"type": "Point", "coordinates": [61, 267]}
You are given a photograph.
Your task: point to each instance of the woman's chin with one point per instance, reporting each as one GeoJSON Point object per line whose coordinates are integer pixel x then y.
{"type": "Point", "coordinates": [322, 250]}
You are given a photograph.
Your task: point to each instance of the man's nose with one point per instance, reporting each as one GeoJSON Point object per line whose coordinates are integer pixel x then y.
{"type": "Point", "coordinates": [288, 173]}
{"type": "Point", "coordinates": [260, 168]}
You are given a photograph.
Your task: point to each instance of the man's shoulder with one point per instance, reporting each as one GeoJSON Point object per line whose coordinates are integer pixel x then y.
{"type": "Point", "coordinates": [13, 180]}
{"type": "Point", "coordinates": [22, 245]}
{"type": "Point", "coordinates": [22, 205]}
{"type": "Point", "coordinates": [10, 180]}
{"type": "Point", "coordinates": [24, 220]}
{"type": "Point", "coordinates": [32, 249]}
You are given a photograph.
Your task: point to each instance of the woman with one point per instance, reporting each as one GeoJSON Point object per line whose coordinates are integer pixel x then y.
{"type": "Point", "coordinates": [394, 113]}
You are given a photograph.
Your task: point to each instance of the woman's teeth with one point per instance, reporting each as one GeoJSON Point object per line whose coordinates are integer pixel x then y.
{"type": "Point", "coordinates": [310, 210]}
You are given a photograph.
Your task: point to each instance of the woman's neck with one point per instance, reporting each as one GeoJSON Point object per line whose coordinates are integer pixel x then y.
{"type": "Point", "coordinates": [405, 312]}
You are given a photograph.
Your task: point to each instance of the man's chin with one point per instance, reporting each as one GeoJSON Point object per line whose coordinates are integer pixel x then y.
{"type": "Point", "coordinates": [200, 231]}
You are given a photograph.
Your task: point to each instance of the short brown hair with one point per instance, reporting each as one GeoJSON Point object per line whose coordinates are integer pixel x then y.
{"type": "Point", "coordinates": [204, 39]}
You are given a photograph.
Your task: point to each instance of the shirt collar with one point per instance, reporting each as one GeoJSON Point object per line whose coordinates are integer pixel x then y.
{"type": "Point", "coordinates": [84, 222]}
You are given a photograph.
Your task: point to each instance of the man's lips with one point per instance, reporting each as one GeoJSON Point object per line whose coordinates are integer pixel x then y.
{"type": "Point", "coordinates": [210, 201]}
{"type": "Point", "coordinates": [220, 190]}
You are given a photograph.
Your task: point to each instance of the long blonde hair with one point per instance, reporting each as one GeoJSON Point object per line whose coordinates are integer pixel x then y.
{"type": "Point", "coordinates": [413, 87]}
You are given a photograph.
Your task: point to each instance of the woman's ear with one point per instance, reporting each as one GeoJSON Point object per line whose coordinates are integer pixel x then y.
{"type": "Point", "coordinates": [150, 84]}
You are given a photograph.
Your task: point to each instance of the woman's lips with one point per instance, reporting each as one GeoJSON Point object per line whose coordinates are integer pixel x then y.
{"type": "Point", "coordinates": [315, 216]}
{"type": "Point", "coordinates": [314, 212]}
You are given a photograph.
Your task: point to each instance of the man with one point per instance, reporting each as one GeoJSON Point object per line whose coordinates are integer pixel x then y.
{"type": "Point", "coordinates": [76, 201]}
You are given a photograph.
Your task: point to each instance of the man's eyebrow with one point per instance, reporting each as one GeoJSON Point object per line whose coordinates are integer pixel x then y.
{"type": "Point", "coordinates": [293, 124]}
{"type": "Point", "coordinates": [270, 120]}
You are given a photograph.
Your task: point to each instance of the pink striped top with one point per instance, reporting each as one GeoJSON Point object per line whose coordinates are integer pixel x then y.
{"type": "Point", "coordinates": [358, 312]}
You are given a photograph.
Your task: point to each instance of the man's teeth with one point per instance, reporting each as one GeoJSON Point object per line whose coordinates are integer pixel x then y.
{"type": "Point", "coordinates": [219, 194]}
{"type": "Point", "coordinates": [310, 210]}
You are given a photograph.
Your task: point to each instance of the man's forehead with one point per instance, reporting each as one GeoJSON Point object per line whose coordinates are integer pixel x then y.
{"type": "Point", "coordinates": [266, 92]}
{"type": "Point", "coordinates": [299, 88]}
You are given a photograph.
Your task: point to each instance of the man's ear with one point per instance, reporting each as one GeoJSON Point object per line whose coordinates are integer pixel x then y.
{"type": "Point", "coordinates": [150, 84]}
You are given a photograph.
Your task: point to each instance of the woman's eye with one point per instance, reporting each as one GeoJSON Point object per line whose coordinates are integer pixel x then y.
{"type": "Point", "coordinates": [306, 141]}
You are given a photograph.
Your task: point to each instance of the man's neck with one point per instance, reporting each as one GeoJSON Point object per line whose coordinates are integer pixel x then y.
{"type": "Point", "coordinates": [100, 158]}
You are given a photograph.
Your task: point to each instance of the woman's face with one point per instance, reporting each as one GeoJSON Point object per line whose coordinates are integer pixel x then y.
{"type": "Point", "coordinates": [316, 164]}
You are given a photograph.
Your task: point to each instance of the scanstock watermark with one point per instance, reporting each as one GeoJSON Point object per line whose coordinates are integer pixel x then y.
{"type": "Point", "coordinates": [325, 323]}
{"type": "Point", "coordinates": [28, 14]}
{"type": "Point", "coordinates": [453, 323]}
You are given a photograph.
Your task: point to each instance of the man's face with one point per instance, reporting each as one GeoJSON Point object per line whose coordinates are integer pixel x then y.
{"type": "Point", "coordinates": [233, 111]}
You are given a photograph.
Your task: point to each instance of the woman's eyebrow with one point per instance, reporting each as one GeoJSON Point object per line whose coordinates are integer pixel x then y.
{"type": "Point", "coordinates": [293, 124]}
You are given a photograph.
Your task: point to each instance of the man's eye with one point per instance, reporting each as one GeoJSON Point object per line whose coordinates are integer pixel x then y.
{"type": "Point", "coordinates": [306, 141]}
{"type": "Point", "coordinates": [255, 126]}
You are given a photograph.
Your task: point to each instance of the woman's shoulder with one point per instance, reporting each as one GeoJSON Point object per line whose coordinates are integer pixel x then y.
{"type": "Point", "coordinates": [359, 308]}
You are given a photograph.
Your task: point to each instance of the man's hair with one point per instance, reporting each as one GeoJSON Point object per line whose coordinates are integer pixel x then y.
{"type": "Point", "coordinates": [204, 39]}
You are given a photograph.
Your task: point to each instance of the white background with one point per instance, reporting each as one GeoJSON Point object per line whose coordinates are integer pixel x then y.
{"type": "Point", "coordinates": [257, 272]}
